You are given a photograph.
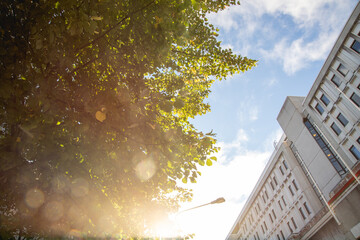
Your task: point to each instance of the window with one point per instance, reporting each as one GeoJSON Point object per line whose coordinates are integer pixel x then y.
{"type": "Point", "coordinates": [271, 218]}
{"type": "Point", "coordinates": [257, 236]}
{"type": "Point", "coordinates": [278, 237]}
{"type": "Point", "coordinates": [322, 144]}
{"type": "Point", "coordinates": [265, 226]}
{"type": "Point", "coordinates": [263, 198]}
{"type": "Point", "coordinates": [281, 170]}
{"type": "Point", "coordinates": [291, 191]}
{"type": "Point", "coordinates": [273, 212]}
{"type": "Point", "coordinates": [319, 108]}
{"type": "Point", "coordinates": [289, 227]}
{"type": "Point", "coordinates": [280, 205]}
{"type": "Point", "coordinates": [282, 235]}
{"type": "Point", "coordinates": [358, 140]}
{"type": "Point", "coordinates": [342, 69]}
{"type": "Point", "coordinates": [267, 196]}
{"type": "Point", "coordinates": [285, 165]}
{"type": "Point", "coordinates": [355, 46]}
{"type": "Point", "coordinates": [293, 222]}
{"type": "Point", "coordinates": [356, 99]}
{"type": "Point", "coordinates": [295, 185]}
{"type": "Point", "coordinates": [275, 181]}
{"type": "Point", "coordinates": [355, 152]}
{"type": "Point", "coordinates": [342, 119]}
{"type": "Point", "coordinates": [272, 185]}
{"type": "Point", "coordinates": [325, 100]}
{"type": "Point", "coordinates": [262, 228]}
{"type": "Point", "coordinates": [283, 199]}
{"type": "Point", "coordinates": [259, 207]}
{"type": "Point", "coordinates": [307, 208]}
{"type": "Point", "coordinates": [336, 129]}
{"type": "Point", "coordinates": [336, 80]}
{"type": "Point", "coordinates": [302, 213]}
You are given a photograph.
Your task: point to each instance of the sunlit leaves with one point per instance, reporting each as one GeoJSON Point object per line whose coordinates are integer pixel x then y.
{"type": "Point", "coordinates": [103, 91]}
{"type": "Point", "coordinates": [100, 116]}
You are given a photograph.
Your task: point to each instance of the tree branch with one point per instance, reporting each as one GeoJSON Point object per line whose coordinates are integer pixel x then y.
{"type": "Point", "coordinates": [113, 27]}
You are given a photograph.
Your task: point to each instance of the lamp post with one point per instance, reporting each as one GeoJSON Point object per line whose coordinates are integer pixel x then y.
{"type": "Point", "coordinates": [219, 200]}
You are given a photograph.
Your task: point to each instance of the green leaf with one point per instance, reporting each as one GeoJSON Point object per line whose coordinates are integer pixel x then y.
{"type": "Point", "coordinates": [184, 180]}
{"type": "Point", "coordinates": [208, 162]}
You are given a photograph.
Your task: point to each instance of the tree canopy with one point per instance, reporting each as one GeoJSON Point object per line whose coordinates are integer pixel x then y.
{"type": "Point", "coordinates": [95, 101]}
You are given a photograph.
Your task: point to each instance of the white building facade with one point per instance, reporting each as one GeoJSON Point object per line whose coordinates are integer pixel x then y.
{"type": "Point", "coordinates": [310, 186]}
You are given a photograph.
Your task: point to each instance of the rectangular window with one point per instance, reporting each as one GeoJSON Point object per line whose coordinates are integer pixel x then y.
{"type": "Point", "coordinates": [265, 226]}
{"type": "Point", "coordinates": [356, 99]}
{"type": "Point", "coordinates": [342, 69]}
{"type": "Point", "coordinates": [295, 185]}
{"type": "Point", "coordinates": [355, 46]}
{"type": "Point", "coordinates": [355, 152]}
{"type": "Point", "coordinates": [319, 108]}
{"type": "Point", "coordinates": [291, 191]}
{"type": "Point", "coordinates": [272, 185]}
{"type": "Point", "coordinates": [278, 237]}
{"type": "Point", "coordinates": [257, 236]}
{"type": "Point", "coordinates": [271, 218]}
{"type": "Point", "coordinates": [282, 234]}
{"type": "Point", "coordinates": [267, 196]}
{"type": "Point", "coordinates": [336, 129]}
{"type": "Point", "coordinates": [307, 208]}
{"type": "Point", "coordinates": [302, 213]}
{"type": "Point", "coordinates": [263, 198]}
{"type": "Point", "coordinates": [290, 229]}
{"type": "Point", "coordinates": [262, 228]}
{"type": "Point", "coordinates": [259, 207]}
{"type": "Point", "coordinates": [283, 199]}
{"type": "Point", "coordinates": [293, 222]}
{"type": "Point", "coordinates": [280, 205]}
{"type": "Point", "coordinates": [281, 170]}
{"type": "Point", "coordinates": [273, 212]}
{"type": "Point", "coordinates": [342, 119]}
{"type": "Point", "coordinates": [324, 146]}
{"type": "Point", "coordinates": [275, 181]}
{"type": "Point", "coordinates": [325, 100]}
{"type": "Point", "coordinates": [336, 80]}
{"type": "Point", "coordinates": [285, 165]}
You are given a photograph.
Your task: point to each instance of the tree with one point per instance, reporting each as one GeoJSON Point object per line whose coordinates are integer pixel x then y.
{"type": "Point", "coordinates": [96, 97]}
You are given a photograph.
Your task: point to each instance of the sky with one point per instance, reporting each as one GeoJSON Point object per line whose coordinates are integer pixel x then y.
{"type": "Point", "coordinates": [291, 40]}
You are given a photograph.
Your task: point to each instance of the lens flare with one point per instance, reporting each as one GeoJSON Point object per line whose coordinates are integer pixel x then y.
{"type": "Point", "coordinates": [34, 198]}
{"type": "Point", "coordinates": [145, 169]}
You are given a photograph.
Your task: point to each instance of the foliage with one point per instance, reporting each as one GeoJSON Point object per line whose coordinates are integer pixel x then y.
{"type": "Point", "coordinates": [95, 101]}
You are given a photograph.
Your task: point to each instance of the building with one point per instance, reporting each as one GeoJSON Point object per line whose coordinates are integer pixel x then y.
{"type": "Point", "coordinates": [310, 186]}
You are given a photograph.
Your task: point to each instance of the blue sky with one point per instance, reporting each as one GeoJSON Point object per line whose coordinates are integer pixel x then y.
{"type": "Point", "coordinates": [291, 39]}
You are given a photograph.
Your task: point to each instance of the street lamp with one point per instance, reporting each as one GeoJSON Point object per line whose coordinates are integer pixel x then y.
{"type": "Point", "coordinates": [219, 200]}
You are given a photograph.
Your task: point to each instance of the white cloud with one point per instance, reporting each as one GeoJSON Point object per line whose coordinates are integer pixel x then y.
{"type": "Point", "coordinates": [233, 177]}
{"type": "Point", "coordinates": [297, 54]}
{"type": "Point", "coordinates": [271, 82]}
{"type": "Point", "coordinates": [319, 21]}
